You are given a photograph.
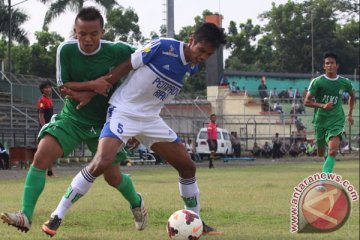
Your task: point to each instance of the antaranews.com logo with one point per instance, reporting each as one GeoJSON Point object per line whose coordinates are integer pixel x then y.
{"type": "Point", "coordinates": [321, 203]}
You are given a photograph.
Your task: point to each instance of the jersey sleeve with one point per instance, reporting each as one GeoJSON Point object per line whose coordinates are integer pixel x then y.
{"type": "Point", "coordinates": [123, 51]}
{"type": "Point", "coordinates": [146, 54]}
{"type": "Point", "coordinates": [313, 87]}
{"type": "Point", "coordinates": [62, 66]}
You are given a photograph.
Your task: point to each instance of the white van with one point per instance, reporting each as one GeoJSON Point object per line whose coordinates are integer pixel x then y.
{"type": "Point", "coordinates": [223, 139]}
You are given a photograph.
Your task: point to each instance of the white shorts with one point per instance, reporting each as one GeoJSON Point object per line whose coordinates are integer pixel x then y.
{"type": "Point", "coordinates": [147, 131]}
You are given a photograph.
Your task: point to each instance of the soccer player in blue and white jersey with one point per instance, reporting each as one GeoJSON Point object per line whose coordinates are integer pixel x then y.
{"type": "Point", "coordinates": [155, 77]}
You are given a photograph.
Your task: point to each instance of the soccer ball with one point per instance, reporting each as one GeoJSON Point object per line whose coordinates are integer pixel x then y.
{"type": "Point", "coordinates": [184, 225]}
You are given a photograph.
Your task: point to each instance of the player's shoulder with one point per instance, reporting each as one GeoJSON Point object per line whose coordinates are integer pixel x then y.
{"type": "Point", "coordinates": [68, 45]}
{"type": "Point", "coordinates": [116, 47]}
{"type": "Point", "coordinates": [345, 79]}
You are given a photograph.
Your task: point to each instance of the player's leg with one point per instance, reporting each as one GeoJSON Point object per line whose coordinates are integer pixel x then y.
{"type": "Point", "coordinates": [333, 146]}
{"type": "Point", "coordinates": [82, 182]}
{"type": "Point", "coordinates": [34, 183]}
{"type": "Point", "coordinates": [123, 183]}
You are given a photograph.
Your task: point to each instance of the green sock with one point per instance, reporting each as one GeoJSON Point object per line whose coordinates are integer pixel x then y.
{"type": "Point", "coordinates": [34, 185]}
{"type": "Point", "coordinates": [328, 164]}
{"type": "Point", "coordinates": [127, 189]}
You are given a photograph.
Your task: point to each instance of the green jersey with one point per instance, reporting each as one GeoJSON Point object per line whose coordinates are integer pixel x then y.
{"type": "Point", "coordinates": [74, 65]}
{"type": "Point", "coordinates": [327, 90]}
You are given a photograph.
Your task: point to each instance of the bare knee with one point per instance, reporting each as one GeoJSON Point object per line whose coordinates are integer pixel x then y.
{"type": "Point", "coordinates": [332, 152]}
{"type": "Point", "coordinates": [187, 170]}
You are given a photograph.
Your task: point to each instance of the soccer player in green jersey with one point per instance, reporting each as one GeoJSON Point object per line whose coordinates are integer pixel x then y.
{"type": "Point", "coordinates": [79, 61]}
{"type": "Point", "coordinates": [325, 95]}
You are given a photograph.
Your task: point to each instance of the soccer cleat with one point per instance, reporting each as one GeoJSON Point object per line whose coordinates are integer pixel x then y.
{"type": "Point", "coordinates": [17, 219]}
{"type": "Point", "coordinates": [140, 215]}
{"type": "Point", "coordinates": [207, 230]}
{"type": "Point", "coordinates": [50, 227]}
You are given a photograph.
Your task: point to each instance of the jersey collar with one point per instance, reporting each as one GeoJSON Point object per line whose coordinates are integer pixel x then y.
{"type": "Point", "coordinates": [331, 79]}
{"type": "Point", "coordinates": [89, 54]}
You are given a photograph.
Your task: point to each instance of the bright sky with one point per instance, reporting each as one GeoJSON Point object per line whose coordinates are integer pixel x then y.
{"type": "Point", "coordinates": [151, 13]}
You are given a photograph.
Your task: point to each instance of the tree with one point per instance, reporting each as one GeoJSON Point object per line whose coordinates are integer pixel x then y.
{"type": "Point", "coordinates": [58, 7]}
{"type": "Point", "coordinates": [17, 18]}
{"type": "Point", "coordinates": [122, 24]}
{"type": "Point", "coordinates": [242, 46]}
{"type": "Point", "coordinates": [40, 58]}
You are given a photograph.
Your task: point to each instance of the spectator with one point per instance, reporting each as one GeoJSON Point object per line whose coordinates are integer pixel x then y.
{"type": "Point", "coordinates": [235, 143]}
{"type": "Point", "coordinates": [265, 106]}
{"type": "Point", "coordinates": [232, 87]}
{"type": "Point", "coordinates": [302, 147]}
{"type": "Point", "coordinates": [297, 95]}
{"type": "Point", "coordinates": [4, 158]}
{"type": "Point", "coordinates": [300, 128]}
{"type": "Point", "coordinates": [190, 148]}
{"type": "Point", "coordinates": [304, 92]}
{"type": "Point", "coordinates": [212, 139]}
{"type": "Point", "coordinates": [294, 149]}
{"type": "Point", "coordinates": [256, 151]}
{"type": "Point", "coordinates": [292, 138]}
{"type": "Point", "coordinates": [290, 93]}
{"type": "Point", "coordinates": [262, 89]}
{"type": "Point", "coordinates": [278, 107]}
{"type": "Point", "coordinates": [276, 146]}
{"type": "Point", "coordinates": [274, 94]}
{"type": "Point", "coordinates": [284, 149]}
{"type": "Point", "coordinates": [266, 150]}
{"type": "Point", "coordinates": [45, 110]}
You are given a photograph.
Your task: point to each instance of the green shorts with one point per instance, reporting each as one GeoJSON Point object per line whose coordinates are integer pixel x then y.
{"type": "Point", "coordinates": [70, 134]}
{"type": "Point", "coordinates": [323, 135]}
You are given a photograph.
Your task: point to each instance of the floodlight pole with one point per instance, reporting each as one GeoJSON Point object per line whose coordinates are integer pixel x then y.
{"type": "Point", "coordinates": [9, 36]}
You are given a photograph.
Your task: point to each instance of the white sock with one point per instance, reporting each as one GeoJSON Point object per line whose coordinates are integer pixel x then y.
{"type": "Point", "coordinates": [190, 193]}
{"type": "Point", "coordinates": [78, 187]}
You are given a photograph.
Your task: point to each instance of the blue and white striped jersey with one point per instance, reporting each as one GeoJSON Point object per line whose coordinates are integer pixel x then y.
{"type": "Point", "coordinates": [159, 69]}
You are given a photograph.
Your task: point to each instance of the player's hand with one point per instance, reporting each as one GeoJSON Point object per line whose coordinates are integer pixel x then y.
{"type": "Point", "coordinates": [101, 85]}
{"type": "Point", "coordinates": [82, 97]}
{"type": "Point", "coordinates": [350, 119]}
{"type": "Point", "coordinates": [328, 106]}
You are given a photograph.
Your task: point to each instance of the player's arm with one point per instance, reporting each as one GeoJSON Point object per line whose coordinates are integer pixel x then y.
{"type": "Point", "coordinates": [351, 107]}
{"type": "Point", "coordinates": [41, 118]}
{"type": "Point", "coordinates": [99, 86]}
{"type": "Point", "coordinates": [119, 72]}
{"type": "Point", "coordinates": [309, 102]}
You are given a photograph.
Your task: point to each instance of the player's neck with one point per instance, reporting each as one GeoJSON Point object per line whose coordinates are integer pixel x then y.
{"type": "Point", "coordinates": [331, 75]}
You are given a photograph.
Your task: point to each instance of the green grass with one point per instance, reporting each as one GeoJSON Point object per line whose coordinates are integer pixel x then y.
{"type": "Point", "coordinates": [246, 202]}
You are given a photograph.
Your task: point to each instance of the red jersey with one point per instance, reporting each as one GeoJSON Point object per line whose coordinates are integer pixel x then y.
{"type": "Point", "coordinates": [45, 105]}
{"type": "Point", "coordinates": [212, 131]}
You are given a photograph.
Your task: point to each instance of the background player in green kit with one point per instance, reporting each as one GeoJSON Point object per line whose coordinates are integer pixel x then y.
{"type": "Point", "coordinates": [329, 116]}
{"type": "Point", "coordinates": [79, 61]}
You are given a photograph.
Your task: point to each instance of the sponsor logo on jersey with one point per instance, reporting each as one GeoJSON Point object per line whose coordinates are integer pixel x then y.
{"type": "Point", "coordinates": [170, 52]}
{"type": "Point", "coordinates": [146, 49]}
{"type": "Point", "coordinates": [167, 67]}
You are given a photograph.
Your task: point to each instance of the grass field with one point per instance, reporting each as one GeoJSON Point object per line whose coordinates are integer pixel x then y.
{"type": "Point", "coordinates": [246, 202]}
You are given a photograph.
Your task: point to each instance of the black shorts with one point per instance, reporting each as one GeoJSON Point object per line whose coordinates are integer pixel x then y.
{"type": "Point", "coordinates": [214, 148]}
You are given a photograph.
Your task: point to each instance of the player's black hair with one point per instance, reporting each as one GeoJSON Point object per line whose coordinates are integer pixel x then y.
{"type": "Point", "coordinates": [331, 55]}
{"type": "Point", "coordinates": [90, 14]}
{"type": "Point", "coordinates": [212, 115]}
{"type": "Point", "coordinates": [44, 84]}
{"type": "Point", "coordinates": [210, 33]}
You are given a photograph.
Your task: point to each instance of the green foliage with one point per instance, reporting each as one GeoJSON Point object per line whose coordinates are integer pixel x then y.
{"type": "Point", "coordinates": [58, 7]}
{"type": "Point", "coordinates": [17, 18]}
{"type": "Point", "coordinates": [284, 43]}
{"type": "Point", "coordinates": [122, 24]}
{"type": "Point", "coordinates": [38, 59]}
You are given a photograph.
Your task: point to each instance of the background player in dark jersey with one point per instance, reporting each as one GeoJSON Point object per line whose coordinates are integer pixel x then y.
{"type": "Point", "coordinates": [79, 62]}
{"type": "Point", "coordinates": [325, 95]}
{"type": "Point", "coordinates": [45, 108]}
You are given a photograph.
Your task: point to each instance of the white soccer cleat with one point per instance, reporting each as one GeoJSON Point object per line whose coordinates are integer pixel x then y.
{"type": "Point", "coordinates": [140, 215]}
{"type": "Point", "coordinates": [16, 219]}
